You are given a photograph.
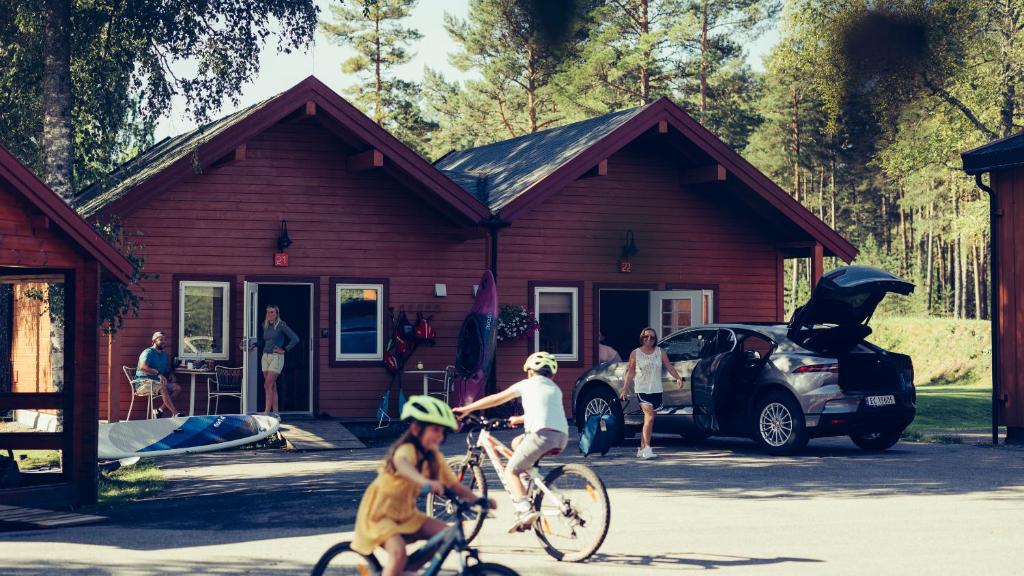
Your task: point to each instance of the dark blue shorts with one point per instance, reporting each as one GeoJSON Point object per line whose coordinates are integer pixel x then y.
{"type": "Point", "coordinates": [651, 399]}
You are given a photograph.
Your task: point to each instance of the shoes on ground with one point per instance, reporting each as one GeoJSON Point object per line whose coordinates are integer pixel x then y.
{"type": "Point", "coordinates": [647, 454]}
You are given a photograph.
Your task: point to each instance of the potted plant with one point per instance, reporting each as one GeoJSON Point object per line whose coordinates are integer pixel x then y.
{"type": "Point", "coordinates": [515, 322]}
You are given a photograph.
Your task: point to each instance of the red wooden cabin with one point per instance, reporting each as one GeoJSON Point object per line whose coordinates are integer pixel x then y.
{"type": "Point", "coordinates": [373, 222]}
{"type": "Point", "coordinates": [51, 265]}
{"type": "Point", "coordinates": [1004, 161]}
{"type": "Point", "coordinates": [373, 225]}
{"type": "Point", "coordinates": [711, 230]}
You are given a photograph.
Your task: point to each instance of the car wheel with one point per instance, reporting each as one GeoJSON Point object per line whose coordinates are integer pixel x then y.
{"type": "Point", "coordinates": [779, 424]}
{"type": "Point", "coordinates": [601, 400]}
{"type": "Point", "coordinates": [876, 441]}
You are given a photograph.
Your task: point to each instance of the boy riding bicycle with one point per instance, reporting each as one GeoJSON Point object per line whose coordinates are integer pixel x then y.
{"type": "Point", "coordinates": [543, 420]}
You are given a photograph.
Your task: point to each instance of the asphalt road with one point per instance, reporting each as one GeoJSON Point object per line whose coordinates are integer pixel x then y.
{"type": "Point", "coordinates": [917, 509]}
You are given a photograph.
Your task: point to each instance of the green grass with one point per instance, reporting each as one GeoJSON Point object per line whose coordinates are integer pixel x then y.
{"type": "Point", "coordinates": [131, 483]}
{"type": "Point", "coordinates": [35, 459]}
{"type": "Point", "coordinates": [953, 408]}
{"type": "Point", "coordinates": [952, 371]}
{"type": "Point", "coordinates": [945, 351]}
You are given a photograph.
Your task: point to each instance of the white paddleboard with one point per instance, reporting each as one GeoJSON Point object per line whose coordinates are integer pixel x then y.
{"type": "Point", "coordinates": [183, 435]}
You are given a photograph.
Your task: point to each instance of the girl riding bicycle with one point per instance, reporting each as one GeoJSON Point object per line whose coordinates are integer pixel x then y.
{"type": "Point", "coordinates": [387, 515]}
{"type": "Point", "coordinates": [543, 420]}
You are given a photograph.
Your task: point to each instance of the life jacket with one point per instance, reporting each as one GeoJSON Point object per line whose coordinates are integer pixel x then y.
{"type": "Point", "coordinates": [424, 331]}
{"type": "Point", "coordinates": [404, 328]}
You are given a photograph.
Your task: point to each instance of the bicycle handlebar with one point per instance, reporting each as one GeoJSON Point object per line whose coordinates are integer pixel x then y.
{"type": "Point", "coordinates": [464, 505]}
{"type": "Point", "coordinates": [475, 421]}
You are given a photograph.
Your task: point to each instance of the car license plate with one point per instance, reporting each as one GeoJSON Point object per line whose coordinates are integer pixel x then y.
{"type": "Point", "coordinates": [888, 400]}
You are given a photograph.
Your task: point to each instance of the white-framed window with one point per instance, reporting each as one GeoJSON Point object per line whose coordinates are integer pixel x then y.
{"type": "Point", "coordinates": [203, 319]}
{"type": "Point", "coordinates": [558, 312]}
{"type": "Point", "coordinates": [358, 322]}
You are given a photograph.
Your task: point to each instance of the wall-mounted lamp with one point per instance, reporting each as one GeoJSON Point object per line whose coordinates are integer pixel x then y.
{"type": "Point", "coordinates": [629, 249]}
{"type": "Point", "coordinates": [440, 290]}
{"type": "Point", "coordinates": [283, 241]}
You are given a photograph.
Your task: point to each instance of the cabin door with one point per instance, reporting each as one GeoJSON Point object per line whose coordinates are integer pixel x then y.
{"type": "Point", "coordinates": [250, 358]}
{"type": "Point", "coordinates": [673, 310]}
{"type": "Point", "coordinates": [295, 382]}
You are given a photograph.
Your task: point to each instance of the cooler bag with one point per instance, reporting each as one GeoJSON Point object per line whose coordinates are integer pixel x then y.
{"type": "Point", "coordinates": [598, 434]}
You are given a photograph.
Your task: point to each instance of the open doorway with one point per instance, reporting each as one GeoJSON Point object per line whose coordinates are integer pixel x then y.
{"type": "Point", "coordinates": [295, 384]}
{"type": "Point", "coordinates": [623, 314]}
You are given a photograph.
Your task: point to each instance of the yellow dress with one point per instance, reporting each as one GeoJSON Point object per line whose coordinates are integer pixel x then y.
{"type": "Point", "coordinates": [388, 506]}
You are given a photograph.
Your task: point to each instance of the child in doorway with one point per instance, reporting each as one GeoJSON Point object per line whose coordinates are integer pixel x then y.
{"type": "Point", "coordinates": [543, 420]}
{"type": "Point", "coordinates": [387, 515]}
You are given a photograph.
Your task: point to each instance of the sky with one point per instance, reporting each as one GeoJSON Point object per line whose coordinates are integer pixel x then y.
{"type": "Point", "coordinates": [278, 72]}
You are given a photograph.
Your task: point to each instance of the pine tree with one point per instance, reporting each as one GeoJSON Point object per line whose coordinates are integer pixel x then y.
{"type": "Point", "coordinates": [381, 43]}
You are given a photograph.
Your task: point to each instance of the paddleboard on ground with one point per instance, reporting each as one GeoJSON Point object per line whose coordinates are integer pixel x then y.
{"type": "Point", "coordinates": [477, 341]}
{"type": "Point", "coordinates": [182, 435]}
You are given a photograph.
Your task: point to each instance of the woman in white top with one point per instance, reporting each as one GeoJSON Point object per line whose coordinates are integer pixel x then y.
{"type": "Point", "coordinates": [644, 373]}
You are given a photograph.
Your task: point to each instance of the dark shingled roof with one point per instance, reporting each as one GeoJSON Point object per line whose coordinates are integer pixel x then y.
{"type": "Point", "coordinates": [154, 160]}
{"type": "Point", "coordinates": [499, 173]}
{"type": "Point", "coordinates": [998, 155]}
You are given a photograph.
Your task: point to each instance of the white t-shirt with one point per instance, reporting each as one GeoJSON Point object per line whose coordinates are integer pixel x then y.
{"type": "Point", "coordinates": [542, 404]}
{"type": "Point", "coordinates": [647, 379]}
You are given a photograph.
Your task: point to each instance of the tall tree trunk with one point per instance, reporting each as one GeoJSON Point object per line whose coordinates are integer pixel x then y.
{"type": "Point", "coordinates": [378, 81]}
{"type": "Point", "coordinates": [821, 193]}
{"type": "Point", "coordinates": [958, 286]}
{"type": "Point", "coordinates": [645, 70]}
{"type": "Point", "coordinates": [703, 60]}
{"type": "Point", "coordinates": [1011, 26]}
{"type": "Point", "coordinates": [904, 241]}
{"type": "Point", "coordinates": [886, 232]}
{"type": "Point", "coordinates": [931, 259]}
{"type": "Point", "coordinates": [531, 90]}
{"type": "Point", "coordinates": [975, 257]}
{"type": "Point", "coordinates": [832, 187]}
{"type": "Point", "coordinates": [57, 138]}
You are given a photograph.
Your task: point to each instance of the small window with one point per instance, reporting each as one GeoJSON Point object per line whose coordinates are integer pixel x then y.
{"type": "Point", "coordinates": [558, 315]}
{"type": "Point", "coordinates": [687, 345]}
{"type": "Point", "coordinates": [358, 322]}
{"type": "Point", "coordinates": [203, 309]}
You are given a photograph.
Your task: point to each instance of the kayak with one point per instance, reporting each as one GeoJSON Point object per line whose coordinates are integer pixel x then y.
{"type": "Point", "coordinates": [477, 341]}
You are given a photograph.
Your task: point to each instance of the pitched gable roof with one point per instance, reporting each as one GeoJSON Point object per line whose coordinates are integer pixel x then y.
{"type": "Point", "coordinates": [1001, 154]}
{"type": "Point", "coordinates": [500, 172]}
{"type": "Point", "coordinates": [514, 175]}
{"type": "Point", "coordinates": [23, 181]}
{"type": "Point", "coordinates": [174, 159]}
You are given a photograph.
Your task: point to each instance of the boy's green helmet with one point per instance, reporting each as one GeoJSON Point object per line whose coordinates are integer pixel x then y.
{"type": "Point", "coordinates": [429, 410]}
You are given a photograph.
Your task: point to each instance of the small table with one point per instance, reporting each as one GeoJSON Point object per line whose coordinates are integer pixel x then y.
{"type": "Point", "coordinates": [426, 377]}
{"type": "Point", "coordinates": [192, 392]}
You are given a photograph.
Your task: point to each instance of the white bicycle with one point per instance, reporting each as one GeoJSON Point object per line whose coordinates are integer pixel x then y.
{"type": "Point", "coordinates": [571, 499]}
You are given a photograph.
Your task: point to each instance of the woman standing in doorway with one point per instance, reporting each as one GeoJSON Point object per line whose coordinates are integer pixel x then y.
{"type": "Point", "coordinates": [274, 348]}
{"type": "Point", "coordinates": [645, 364]}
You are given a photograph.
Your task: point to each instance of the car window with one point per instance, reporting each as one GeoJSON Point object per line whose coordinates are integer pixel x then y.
{"type": "Point", "coordinates": [725, 341]}
{"type": "Point", "coordinates": [687, 345]}
{"type": "Point", "coordinates": [756, 343]}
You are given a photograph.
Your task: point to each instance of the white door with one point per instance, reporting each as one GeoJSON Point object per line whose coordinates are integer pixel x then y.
{"type": "Point", "coordinates": [673, 310]}
{"type": "Point", "coordinates": [250, 355]}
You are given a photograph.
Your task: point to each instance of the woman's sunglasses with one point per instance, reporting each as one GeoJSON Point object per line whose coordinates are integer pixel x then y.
{"type": "Point", "coordinates": [647, 337]}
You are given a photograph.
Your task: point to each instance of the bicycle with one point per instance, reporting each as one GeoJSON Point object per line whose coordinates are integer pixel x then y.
{"type": "Point", "coordinates": [572, 501]}
{"type": "Point", "coordinates": [342, 559]}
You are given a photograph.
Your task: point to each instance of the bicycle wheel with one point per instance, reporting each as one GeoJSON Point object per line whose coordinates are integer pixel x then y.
{"type": "Point", "coordinates": [488, 569]}
{"type": "Point", "coordinates": [342, 559]}
{"type": "Point", "coordinates": [572, 526]}
{"type": "Point", "coordinates": [471, 476]}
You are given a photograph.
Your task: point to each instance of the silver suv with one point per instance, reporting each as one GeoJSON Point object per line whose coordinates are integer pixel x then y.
{"type": "Point", "coordinates": [780, 384]}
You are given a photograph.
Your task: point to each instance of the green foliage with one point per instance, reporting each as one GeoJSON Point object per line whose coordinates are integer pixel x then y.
{"type": "Point", "coordinates": [119, 301]}
{"type": "Point", "coordinates": [122, 57]}
{"type": "Point", "coordinates": [380, 43]}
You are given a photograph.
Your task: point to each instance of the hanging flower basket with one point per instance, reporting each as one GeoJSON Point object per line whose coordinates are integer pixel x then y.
{"type": "Point", "coordinates": [514, 322]}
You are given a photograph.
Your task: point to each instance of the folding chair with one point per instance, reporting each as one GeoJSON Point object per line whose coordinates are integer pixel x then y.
{"type": "Point", "coordinates": [226, 381]}
{"type": "Point", "coordinates": [129, 373]}
{"type": "Point", "coordinates": [445, 380]}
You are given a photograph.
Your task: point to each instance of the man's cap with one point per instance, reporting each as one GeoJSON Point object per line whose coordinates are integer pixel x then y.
{"type": "Point", "coordinates": [156, 335]}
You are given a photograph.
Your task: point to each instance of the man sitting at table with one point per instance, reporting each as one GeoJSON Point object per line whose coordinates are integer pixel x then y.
{"type": "Point", "coordinates": [154, 375]}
